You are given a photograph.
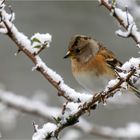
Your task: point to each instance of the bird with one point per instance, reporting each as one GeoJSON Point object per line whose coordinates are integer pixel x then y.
{"type": "Point", "coordinates": [93, 65]}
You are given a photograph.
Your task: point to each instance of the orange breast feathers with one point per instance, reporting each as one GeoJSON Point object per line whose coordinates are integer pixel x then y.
{"type": "Point", "coordinates": [95, 64]}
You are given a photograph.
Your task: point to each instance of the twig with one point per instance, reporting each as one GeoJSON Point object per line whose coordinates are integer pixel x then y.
{"type": "Point", "coordinates": [109, 7]}
{"type": "Point", "coordinates": [97, 98]}
{"type": "Point", "coordinates": [71, 119]}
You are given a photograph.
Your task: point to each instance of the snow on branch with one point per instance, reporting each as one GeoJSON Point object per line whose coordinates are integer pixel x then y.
{"type": "Point", "coordinates": [28, 106]}
{"type": "Point", "coordinates": [73, 112]}
{"type": "Point", "coordinates": [125, 19]}
{"type": "Point", "coordinates": [77, 104]}
{"type": "Point", "coordinates": [42, 110]}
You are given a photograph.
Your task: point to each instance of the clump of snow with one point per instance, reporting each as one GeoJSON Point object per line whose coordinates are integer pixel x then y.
{"type": "Point", "coordinates": [132, 5]}
{"type": "Point", "coordinates": [133, 62]}
{"type": "Point", "coordinates": [125, 33]}
{"type": "Point", "coordinates": [138, 45]}
{"type": "Point", "coordinates": [42, 38]}
{"type": "Point", "coordinates": [39, 41]}
{"type": "Point", "coordinates": [124, 16]}
{"type": "Point", "coordinates": [3, 30]}
{"type": "Point", "coordinates": [83, 97]}
{"type": "Point", "coordinates": [111, 83]}
{"type": "Point", "coordinates": [128, 20]}
{"type": "Point", "coordinates": [72, 107]}
{"type": "Point", "coordinates": [42, 133]}
{"type": "Point", "coordinates": [21, 38]}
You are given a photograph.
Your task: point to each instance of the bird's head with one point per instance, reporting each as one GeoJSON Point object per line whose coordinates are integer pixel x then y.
{"type": "Point", "coordinates": [81, 47]}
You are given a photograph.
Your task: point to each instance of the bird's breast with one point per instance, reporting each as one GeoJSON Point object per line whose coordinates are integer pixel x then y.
{"type": "Point", "coordinates": [91, 82]}
{"type": "Point", "coordinates": [92, 75]}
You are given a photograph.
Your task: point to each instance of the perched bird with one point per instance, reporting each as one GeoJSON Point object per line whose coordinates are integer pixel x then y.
{"type": "Point", "coordinates": [93, 65]}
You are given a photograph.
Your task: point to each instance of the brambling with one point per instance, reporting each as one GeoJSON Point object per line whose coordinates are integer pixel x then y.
{"type": "Point", "coordinates": [93, 65]}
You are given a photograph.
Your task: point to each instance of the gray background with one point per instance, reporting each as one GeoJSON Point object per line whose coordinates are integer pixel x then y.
{"type": "Point", "coordinates": [62, 20]}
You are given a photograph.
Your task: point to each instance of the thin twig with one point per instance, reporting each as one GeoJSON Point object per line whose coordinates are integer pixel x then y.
{"type": "Point", "coordinates": [109, 7]}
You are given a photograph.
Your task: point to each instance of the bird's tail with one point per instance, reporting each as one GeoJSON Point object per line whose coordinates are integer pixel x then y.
{"type": "Point", "coordinates": [135, 90]}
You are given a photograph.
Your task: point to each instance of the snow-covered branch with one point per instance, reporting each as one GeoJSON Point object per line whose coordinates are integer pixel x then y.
{"type": "Point", "coordinates": [74, 111]}
{"type": "Point", "coordinates": [125, 19]}
{"type": "Point", "coordinates": [28, 106]}
{"type": "Point", "coordinates": [77, 104]}
{"type": "Point", "coordinates": [42, 110]}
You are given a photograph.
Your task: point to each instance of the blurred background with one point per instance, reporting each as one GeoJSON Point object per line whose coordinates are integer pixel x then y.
{"type": "Point", "coordinates": [62, 19]}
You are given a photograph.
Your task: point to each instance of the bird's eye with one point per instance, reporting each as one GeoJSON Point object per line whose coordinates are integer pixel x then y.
{"type": "Point", "coordinates": [77, 50]}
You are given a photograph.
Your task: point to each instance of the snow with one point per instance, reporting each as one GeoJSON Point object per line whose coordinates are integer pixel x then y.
{"type": "Point", "coordinates": [131, 131]}
{"type": "Point", "coordinates": [111, 83]}
{"type": "Point", "coordinates": [72, 107]}
{"type": "Point", "coordinates": [28, 104]}
{"type": "Point", "coordinates": [42, 38]}
{"type": "Point", "coordinates": [133, 62]}
{"type": "Point", "coordinates": [2, 6]}
{"type": "Point", "coordinates": [124, 16]}
{"type": "Point", "coordinates": [128, 20]}
{"type": "Point", "coordinates": [132, 5]}
{"type": "Point", "coordinates": [125, 33]}
{"type": "Point", "coordinates": [136, 33]}
{"type": "Point", "coordinates": [3, 30]}
{"type": "Point", "coordinates": [10, 17]}
{"type": "Point", "coordinates": [20, 37]}
{"type": "Point", "coordinates": [42, 133]}
{"type": "Point", "coordinates": [83, 97]}
{"type": "Point", "coordinates": [56, 77]}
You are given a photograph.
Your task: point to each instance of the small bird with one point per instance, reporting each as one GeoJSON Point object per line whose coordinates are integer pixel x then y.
{"type": "Point", "coordinates": [93, 65]}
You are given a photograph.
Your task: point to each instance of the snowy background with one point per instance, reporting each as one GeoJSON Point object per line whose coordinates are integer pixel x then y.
{"type": "Point", "coordinates": [62, 20]}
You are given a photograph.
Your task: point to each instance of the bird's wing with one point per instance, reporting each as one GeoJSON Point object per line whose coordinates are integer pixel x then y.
{"type": "Point", "coordinates": [110, 57]}
{"type": "Point", "coordinates": [114, 63]}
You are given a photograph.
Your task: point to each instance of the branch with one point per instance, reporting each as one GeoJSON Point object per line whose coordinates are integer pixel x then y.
{"type": "Point", "coordinates": [42, 110]}
{"type": "Point", "coordinates": [78, 104]}
{"type": "Point", "coordinates": [28, 106]}
{"type": "Point", "coordinates": [69, 118]}
{"type": "Point", "coordinates": [125, 19]}
{"type": "Point", "coordinates": [46, 112]}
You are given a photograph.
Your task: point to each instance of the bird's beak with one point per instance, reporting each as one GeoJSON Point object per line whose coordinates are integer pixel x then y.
{"type": "Point", "coordinates": [68, 54]}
